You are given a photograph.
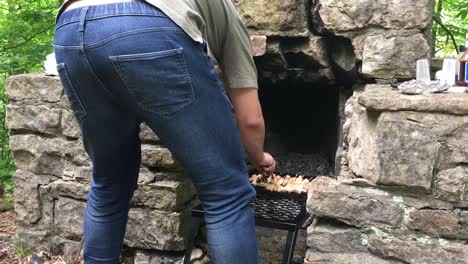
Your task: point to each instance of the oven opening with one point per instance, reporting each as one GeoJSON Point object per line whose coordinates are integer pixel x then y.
{"type": "Point", "coordinates": [302, 125]}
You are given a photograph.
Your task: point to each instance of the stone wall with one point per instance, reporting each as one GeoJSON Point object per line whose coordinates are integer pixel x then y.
{"type": "Point", "coordinates": [316, 41]}
{"type": "Point", "coordinates": [402, 195]}
{"type": "Point", "coordinates": [53, 174]}
{"type": "Point", "coordinates": [338, 40]}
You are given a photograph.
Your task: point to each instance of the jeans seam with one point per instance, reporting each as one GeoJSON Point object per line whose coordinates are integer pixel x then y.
{"type": "Point", "coordinates": [112, 38]}
{"type": "Point", "coordinates": [63, 68]}
{"type": "Point", "coordinates": [102, 17]}
{"type": "Point", "coordinates": [129, 33]}
{"type": "Point", "coordinates": [94, 73]}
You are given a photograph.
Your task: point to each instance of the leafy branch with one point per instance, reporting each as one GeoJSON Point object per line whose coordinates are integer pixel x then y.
{"type": "Point", "coordinates": [439, 22]}
{"type": "Point", "coordinates": [27, 40]}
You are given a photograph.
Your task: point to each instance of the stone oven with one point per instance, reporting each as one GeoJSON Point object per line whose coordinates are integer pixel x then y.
{"type": "Point", "coordinates": [324, 67]}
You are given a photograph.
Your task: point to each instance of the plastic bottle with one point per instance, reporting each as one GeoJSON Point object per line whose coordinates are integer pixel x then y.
{"type": "Point", "coordinates": [462, 50]}
{"type": "Point", "coordinates": [462, 79]}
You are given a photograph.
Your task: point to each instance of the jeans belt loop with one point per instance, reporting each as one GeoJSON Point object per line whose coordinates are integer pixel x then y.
{"type": "Point", "coordinates": [83, 13]}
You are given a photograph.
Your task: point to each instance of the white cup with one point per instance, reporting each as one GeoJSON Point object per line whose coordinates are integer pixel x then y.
{"type": "Point", "coordinates": [448, 71]}
{"type": "Point", "coordinates": [422, 71]}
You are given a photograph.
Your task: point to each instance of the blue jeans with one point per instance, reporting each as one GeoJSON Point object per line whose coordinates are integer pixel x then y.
{"type": "Point", "coordinates": [126, 63]}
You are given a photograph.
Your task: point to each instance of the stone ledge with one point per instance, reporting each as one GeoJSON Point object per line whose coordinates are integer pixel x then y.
{"type": "Point", "coordinates": [354, 206]}
{"type": "Point", "coordinates": [36, 86]}
{"type": "Point", "coordinates": [418, 250]}
{"type": "Point", "coordinates": [332, 238]}
{"type": "Point", "coordinates": [382, 98]}
{"type": "Point", "coordinates": [439, 223]}
{"type": "Point", "coordinates": [313, 257]}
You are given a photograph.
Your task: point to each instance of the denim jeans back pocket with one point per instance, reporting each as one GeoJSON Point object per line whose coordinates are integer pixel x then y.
{"type": "Point", "coordinates": [159, 81]}
{"type": "Point", "coordinates": [76, 105]}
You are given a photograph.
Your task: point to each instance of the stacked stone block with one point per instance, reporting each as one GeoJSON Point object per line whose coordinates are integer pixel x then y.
{"type": "Point", "coordinates": [329, 40]}
{"type": "Point", "coordinates": [402, 194]}
{"type": "Point", "coordinates": [54, 171]}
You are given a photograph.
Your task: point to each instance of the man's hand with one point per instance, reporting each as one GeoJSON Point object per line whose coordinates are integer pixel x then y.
{"type": "Point", "coordinates": [268, 165]}
{"type": "Point", "coordinates": [252, 127]}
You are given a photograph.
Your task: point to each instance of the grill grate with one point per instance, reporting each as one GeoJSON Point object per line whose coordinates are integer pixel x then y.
{"type": "Point", "coordinates": [280, 209]}
{"type": "Point", "coordinates": [276, 206]}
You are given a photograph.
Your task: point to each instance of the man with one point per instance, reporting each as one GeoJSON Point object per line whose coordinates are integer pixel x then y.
{"type": "Point", "coordinates": [125, 62]}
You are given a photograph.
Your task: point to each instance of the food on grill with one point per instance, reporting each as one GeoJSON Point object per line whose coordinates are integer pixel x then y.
{"type": "Point", "coordinates": [277, 183]}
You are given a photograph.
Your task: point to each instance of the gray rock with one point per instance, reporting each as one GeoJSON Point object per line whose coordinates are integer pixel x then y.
{"type": "Point", "coordinates": [155, 257]}
{"type": "Point", "coordinates": [28, 204]}
{"type": "Point", "coordinates": [70, 126]}
{"type": "Point", "coordinates": [343, 59]}
{"type": "Point", "coordinates": [343, 16]}
{"type": "Point", "coordinates": [360, 138]}
{"type": "Point", "coordinates": [464, 218]}
{"type": "Point", "coordinates": [355, 206]}
{"type": "Point", "coordinates": [418, 250]}
{"type": "Point", "coordinates": [34, 240]}
{"type": "Point", "coordinates": [146, 176]}
{"type": "Point", "coordinates": [450, 184]}
{"type": "Point", "coordinates": [45, 155]}
{"type": "Point", "coordinates": [259, 45]}
{"type": "Point", "coordinates": [407, 151]}
{"type": "Point", "coordinates": [152, 229]}
{"type": "Point", "coordinates": [41, 118]}
{"type": "Point", "coordinates": [164, 195]}
{"type": "Point", "coordinates": [274, 18]}
{"type": "Point", "coordinates": [438, 223]}
{"type": "Point", "coordinates": [76, 173]}
{"type": "Point", "coordinates": [156, 156]}
{"type": "Point", "coordinates": [454, 149]}
{"type": "Point", "coordinates": [312, 51]}
{"type": "Point", "coordinates": [197, 254]}
{"type": "Point", "coordinates": [147, 135]}
{"type": "Point", "coordinates": [69, 218]}
{"type": "Point", "coordinates": [393, 57]}
{"type": "Point", "coordinates": [383, 98]}
{"type": "Point", "coordinates": [49, 163]}
{"type": "Point", "coordinates": [313, 257]}
{"type": "Point", "coordinates": [273, 61]}
{"type": "Point", "coordinates": [34, 87]}
{"type": "Point", "coordinates": [425, 201]}
{"type": "Point", "coordinates": [71, 189]}
{"type": "Point", "coordinates": [170, 176]}
{"type": "Point", "coordinates": [205, 260]}
{"type": "Point", "coordinates": [331, 238]}
{"type": "Point", "coordinates": [66, 248]}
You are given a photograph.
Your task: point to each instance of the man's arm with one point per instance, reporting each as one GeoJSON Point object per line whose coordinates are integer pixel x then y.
{"type": "Point", "coordinates": [252, 127]}
{"type": "Point", "coordinates": [229, 42]}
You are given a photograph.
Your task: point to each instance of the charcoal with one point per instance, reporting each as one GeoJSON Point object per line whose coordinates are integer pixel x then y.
{"type": "Point", "coordinates": [304, 164]}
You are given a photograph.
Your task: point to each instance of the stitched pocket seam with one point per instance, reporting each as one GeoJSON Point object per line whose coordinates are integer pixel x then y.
{"type": "Point", "coordinates": [156, 55]}
{"type": "Point", "coordinates": [67, 81]}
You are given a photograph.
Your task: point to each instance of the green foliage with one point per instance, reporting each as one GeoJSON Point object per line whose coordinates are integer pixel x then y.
{"type": "Point", "coordinates": [20, 250]}
{"type": "Point", "coordinates": [450, 26]}
{"type": "Point", "coordinates": [27, 29]}
{"type": "Point", "coordinates": [26, 36]}
{"type": "Point", "coordinates": [6, 202]}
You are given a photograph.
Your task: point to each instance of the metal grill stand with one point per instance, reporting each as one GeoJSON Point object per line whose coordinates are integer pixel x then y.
{"type": "Point", "coordinates": [273, 210]}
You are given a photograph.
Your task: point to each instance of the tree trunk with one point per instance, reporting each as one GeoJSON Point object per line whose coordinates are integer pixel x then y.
{"type": "Point", "coordinates": [440, 4]}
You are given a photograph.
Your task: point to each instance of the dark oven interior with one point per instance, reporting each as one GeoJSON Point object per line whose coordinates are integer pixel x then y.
{"type": "Point", "coordinates": [302, 125]}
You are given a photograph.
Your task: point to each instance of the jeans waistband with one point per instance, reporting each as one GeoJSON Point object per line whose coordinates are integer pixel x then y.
{"type": "Point", "coordinates": [108, 10]}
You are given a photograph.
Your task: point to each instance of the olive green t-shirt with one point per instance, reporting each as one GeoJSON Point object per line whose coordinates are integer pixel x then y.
{"type": "Point", "coordinates": [218, 23]}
